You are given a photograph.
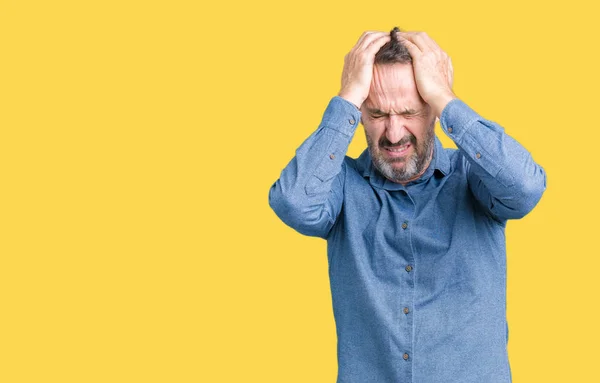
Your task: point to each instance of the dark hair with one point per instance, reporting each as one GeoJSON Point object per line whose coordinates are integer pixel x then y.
{"type": "Point", "coordinates": [393, 51]}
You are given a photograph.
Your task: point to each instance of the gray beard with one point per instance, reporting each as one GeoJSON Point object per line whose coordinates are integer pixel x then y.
{"type": "Point", "coordinates": [414, 164]}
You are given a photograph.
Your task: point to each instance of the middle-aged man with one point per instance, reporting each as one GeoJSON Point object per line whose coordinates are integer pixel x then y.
{"type": "Point", "coordinates": [415, 232]}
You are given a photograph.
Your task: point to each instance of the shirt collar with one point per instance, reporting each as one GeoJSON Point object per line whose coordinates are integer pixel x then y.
{"type": "Point", "coordinates": [440, 164]}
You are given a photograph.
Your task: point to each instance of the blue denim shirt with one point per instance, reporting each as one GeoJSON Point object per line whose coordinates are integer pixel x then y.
{"type": "Point", "coordinates": [417, 272]}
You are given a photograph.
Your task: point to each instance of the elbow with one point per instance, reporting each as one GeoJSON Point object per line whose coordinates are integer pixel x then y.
{"type": "Point", "coordinates": [298, 213]}
{"type": "Point", "coordinates": [531, 190]}
{"type": "Point", "coordinates": [280, 203]}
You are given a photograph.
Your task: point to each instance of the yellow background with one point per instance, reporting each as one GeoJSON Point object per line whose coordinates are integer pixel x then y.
{"type": "Point", "coordinates": [138, 142]}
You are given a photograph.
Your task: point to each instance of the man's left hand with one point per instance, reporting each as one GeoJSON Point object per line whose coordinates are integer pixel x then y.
{"type": "Point", "coordinates": [432, 68]}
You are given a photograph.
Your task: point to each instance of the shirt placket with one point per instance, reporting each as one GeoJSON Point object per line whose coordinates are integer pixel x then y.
{"type": "Point", "coordinates": [406, 288]}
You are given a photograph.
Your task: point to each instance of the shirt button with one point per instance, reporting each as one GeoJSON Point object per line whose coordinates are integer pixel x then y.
{"type": "Point", "coordinates": [408, 268]}
{"type": "Point", "coordinates": [404, 225]}
{"type": "Point", "coordinates": [332, 156]}
{"type": "Point", "coordinates": [406, 310]}
{"type": "Point", "coordinates": [351, 121]}
{"type": "Point", "coordinates": [449, 130]}
{"type": "Point", "coordinates": [478, 155]}
{"type": "Point", "coordinates": [405, 356]}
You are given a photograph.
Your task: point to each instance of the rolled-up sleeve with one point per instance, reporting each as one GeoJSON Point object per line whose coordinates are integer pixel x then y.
{"type": "Point", "coordinates": [502, 174]}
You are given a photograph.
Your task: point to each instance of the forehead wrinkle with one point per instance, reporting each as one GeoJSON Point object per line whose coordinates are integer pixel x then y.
{"type": "Point", "coordinates": [392, 91]}
{"type": "Point", "coordinates": [406, 111]}
{"type": "Point", "coordinates": [392, 109]}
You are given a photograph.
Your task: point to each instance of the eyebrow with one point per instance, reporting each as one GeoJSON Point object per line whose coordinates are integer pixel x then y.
{"type": "Point", "coordinates": [405, 112]}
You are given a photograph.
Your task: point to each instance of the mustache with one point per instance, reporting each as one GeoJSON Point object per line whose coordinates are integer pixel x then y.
{"type": "Point", "coordinates": [410, 138]}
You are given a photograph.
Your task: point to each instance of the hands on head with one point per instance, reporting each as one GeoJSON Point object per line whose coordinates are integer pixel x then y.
{"type": "Point", "coordinates": [358, 67]}
{"type": "Point", "coordinates": [431, 65]}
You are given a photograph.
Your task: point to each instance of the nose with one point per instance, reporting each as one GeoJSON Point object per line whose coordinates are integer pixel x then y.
{"type": "Point", "coordinates": [395, 129]}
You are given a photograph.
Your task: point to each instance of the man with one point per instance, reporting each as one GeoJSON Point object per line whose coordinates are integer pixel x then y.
{"type": "Point", "coordinates": [415, 232]}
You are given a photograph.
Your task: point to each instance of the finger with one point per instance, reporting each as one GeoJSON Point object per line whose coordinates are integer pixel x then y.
{"type": "Point", "coordinates": [413, 49]}
{"type": "Point", "coordinates": [368, 40]}
{"type": "Point", "coordinates": [421, 40]}
{"type": "Point", "coordinates": [424, 39]}
{"type": "Point", "coordinates": [376, 44]}
{"type": "Point", "coordinates": [361, 37]}
{"type": "Point", "coordinates": [364, 36]}
{"type": "Point", "coordinates": [450, 72]}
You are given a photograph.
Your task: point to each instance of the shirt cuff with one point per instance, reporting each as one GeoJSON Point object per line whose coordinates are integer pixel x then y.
{"type": "Point", "coordinates": [456, 118]}
{"type": "Point", "coordinates": [341, 115]}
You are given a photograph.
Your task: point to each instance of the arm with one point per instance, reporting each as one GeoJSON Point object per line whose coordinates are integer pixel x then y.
{"type": "Point", "coordinates": [309, 193]}
{"type": "Point", "coordinates": [502, 175]}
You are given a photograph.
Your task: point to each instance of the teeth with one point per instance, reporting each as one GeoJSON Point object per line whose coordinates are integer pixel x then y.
{"type": "Point", "coordinates": [397, 149]}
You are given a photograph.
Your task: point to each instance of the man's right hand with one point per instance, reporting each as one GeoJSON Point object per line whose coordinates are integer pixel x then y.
{"type": "Point", "coordinates": [358, 67]}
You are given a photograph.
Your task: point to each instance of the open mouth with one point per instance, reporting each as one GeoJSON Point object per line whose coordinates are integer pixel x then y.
{"type": "Point", "coordinates": [397, 150]}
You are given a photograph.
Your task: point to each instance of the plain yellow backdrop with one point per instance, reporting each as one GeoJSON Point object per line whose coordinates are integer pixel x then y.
{"type": "Point", "coordinates": [138, 142]}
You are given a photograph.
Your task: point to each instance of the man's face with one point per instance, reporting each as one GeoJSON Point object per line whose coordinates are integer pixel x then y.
{"type": "Point", "coordinates": [399, 125]}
